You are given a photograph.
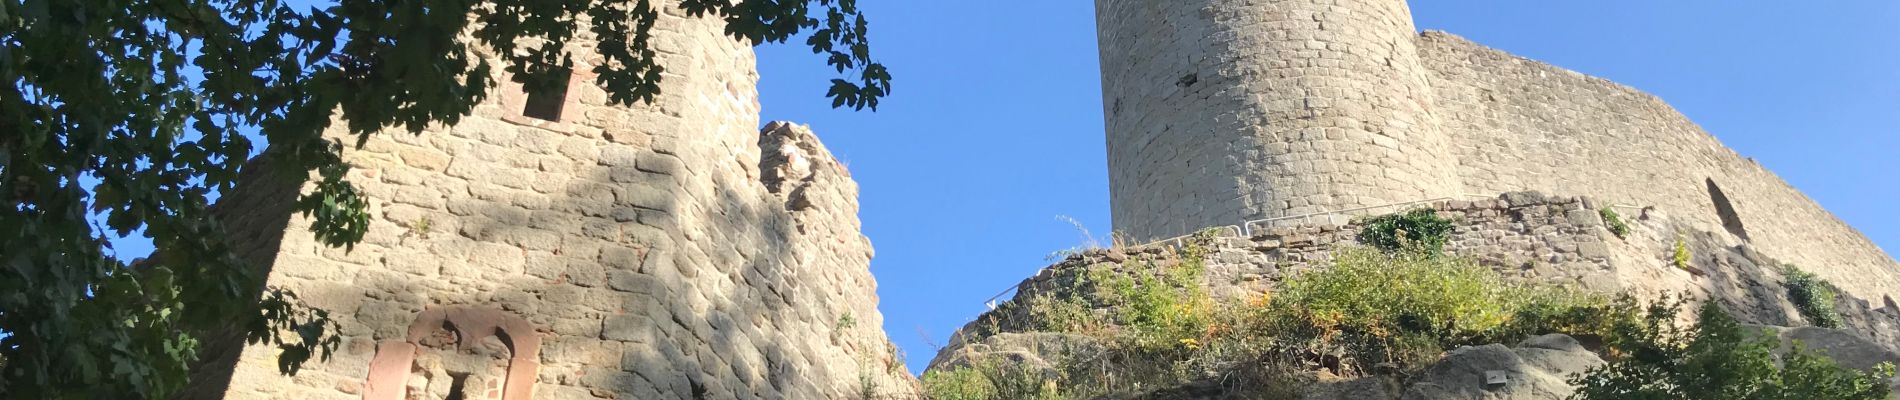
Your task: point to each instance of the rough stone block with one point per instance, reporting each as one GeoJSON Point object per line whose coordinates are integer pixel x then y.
{"type": "Point", "coordinates": [628, 327]}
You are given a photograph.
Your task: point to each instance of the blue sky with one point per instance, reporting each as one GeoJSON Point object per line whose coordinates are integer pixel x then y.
{"type": "Point", "coordinates": [995, 127]}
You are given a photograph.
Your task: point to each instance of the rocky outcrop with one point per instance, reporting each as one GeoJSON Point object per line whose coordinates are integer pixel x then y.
{"type": "Point", "coordinates": [1524, 236]}
{"type": "Point", "coordinates": [1043, 351]}
{"type": "Point", "coordinates": [1539, 368]}
{"type": "Point", "coordinates": [1844, 347]}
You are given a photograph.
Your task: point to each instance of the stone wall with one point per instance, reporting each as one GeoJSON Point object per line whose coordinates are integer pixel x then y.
{"type": "Point", "coordinates": [670, 250]}
{"type": "Point", "coordinates": [1220, 111]}
{"type": "Point", "coordinates": [1223, 110]}
{"type": "Point", "coordinates": [1523, 125]}
{"type": "Point", "coordinates": [1524, 236]}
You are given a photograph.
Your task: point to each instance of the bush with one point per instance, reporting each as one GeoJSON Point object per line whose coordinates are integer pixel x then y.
{"type": "Point", "coordinates": [1407, 307]}
{"type": "Point", "coordinates": [1681, 257]}
{"type": "Point", "coordinates": [1421, 228]}
{"type": "Point", "coordinates": [1716, 359]}
{"type": "Point", "coordinates": [1054, 313]}
{"type": "Point", "coordinates": [990, 380]}
{"type": "Point", "coordinates": [1812, 296]}
{"type": "Point", "coordinates": [1152, 314]}
{"type": "Point", "coordinates": [1159, 310]}
{"type": "Point", "coordinates": [1614, 222]}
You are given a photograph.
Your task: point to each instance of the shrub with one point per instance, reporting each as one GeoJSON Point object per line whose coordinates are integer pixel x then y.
{"type": "Point", "coordinates": [1812, 296]}
{"type": "Point", "coordinates": [1421, 228]}
{"type": "Point", "coordinates": [963, 383]}
{"type": "Point", "coordinates": [1716, 359]}
{"type": "Point", "coordinates": [990, 380]}
{"type": "Point", "coordinates": [1614, 222]}
{"type": "Point", "coordinates": [1406, 307]}
{"type": "Point", "coordinates": [1054, 313]}
{"type": "Point", "coordinates": [1682, 257]}
{"type": "Point", "coordinates": [1158, 310]}
{"type": "Point", "coordinates": [1151, 314]}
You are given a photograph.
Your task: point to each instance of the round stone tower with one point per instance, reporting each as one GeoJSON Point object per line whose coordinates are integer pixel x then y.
{"type": "Point", "coordinates": [1220, 111]}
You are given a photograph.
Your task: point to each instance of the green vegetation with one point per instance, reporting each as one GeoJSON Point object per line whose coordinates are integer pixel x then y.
{"type": "Point", "coordinates": [1716, 359]}
{"type": "Point", "coordinates": [1420, 228]}
{"type": "Point", "coordinates": [1681, 257]}
{"type": "Point", "coordinates": [1812, 296]}
{"type": "Point", "coordinates": [990, 380]}
{"type": "Point", "coordinates": [1407, 307]}
{"type": "Point", "coordinates": [846, 321]}
{"type": "Point", "coordinates": [964, 383]}
{"type": "Point", "coordinates": [1615, 222]}
{"type": "Point", "coordinates": [421, 227]}
{"type": "Point", "coordinates": [1160, 329]}
{"type": "Point", "coordinates": [1392, 309]}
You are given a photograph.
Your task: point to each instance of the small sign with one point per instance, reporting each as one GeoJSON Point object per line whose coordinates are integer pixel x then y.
{"type": "Point", "coordinates": [1495, 377]}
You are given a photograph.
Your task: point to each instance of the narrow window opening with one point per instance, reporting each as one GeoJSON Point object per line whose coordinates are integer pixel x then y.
{"type": "Point", "coordinates": [1731, 220]}
{"type": "Point", "coordinates": [457, 385]}
{"type": "Point", "coordinates": [546, 101]}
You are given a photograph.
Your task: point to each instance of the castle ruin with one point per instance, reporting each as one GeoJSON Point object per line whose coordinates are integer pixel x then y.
{"type": "Point", "coordinates": [1248, 138]}
{"type": "Point", "coordinates": [555, 246]}
{"type": "Point", "coordinates": [1225, 111]}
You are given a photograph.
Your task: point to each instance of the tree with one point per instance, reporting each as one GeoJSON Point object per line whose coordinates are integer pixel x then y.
{"type": "Point", "coordinates": [129, 112]}
{"type": "Point", "coordinates": [1717, 358]}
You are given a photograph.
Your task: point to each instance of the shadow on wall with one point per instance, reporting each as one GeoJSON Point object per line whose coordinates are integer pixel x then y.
{"type": "Point", "coordinates": [650, 292]}
{"type": "Point", "coordinates": [647, 277]}
{"type": "Point", "coordinates": [1730, 220]}
{"type": "Point", "coordinates": [256, 215]}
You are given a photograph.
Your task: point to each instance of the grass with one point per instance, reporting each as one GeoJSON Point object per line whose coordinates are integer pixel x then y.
{"type": "Point", "coordinates": [1393, 307]}
{"type": "Point", "coordinates": [1161, 329]}
{"type": "Point", "coordinates": [1615, 222]}
{"type": "Point", "coordinates": [1406, 308]}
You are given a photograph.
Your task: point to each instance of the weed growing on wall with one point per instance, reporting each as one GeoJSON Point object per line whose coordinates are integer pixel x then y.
{"type": "Point", "coordinates": [1716, 359]}
{"type": "Point", "coordinates": [1422, 228]}
{"type": "Point", "coordinates": [1812, 296]}
{"type": "Point", "coordinates": [1681, 257]}
{"type": "Point", "coordinates": [1614, 222]}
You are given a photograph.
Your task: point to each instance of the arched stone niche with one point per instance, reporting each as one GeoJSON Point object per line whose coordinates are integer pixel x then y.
{"type": "Point", "coordinates": [389, 372]}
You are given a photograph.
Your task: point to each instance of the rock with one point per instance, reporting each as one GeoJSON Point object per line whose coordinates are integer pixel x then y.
{"type": "Point", "coordinates": [1538, 369]}
{"type": "Point", "coordinates": [1521, 199]}
{"type": "Point", "coordinates": [1847, 349]}
{"type": "Point", "coordinates": [1040, 349]}
{"type": "Point", "coordinates": [1366, 388]}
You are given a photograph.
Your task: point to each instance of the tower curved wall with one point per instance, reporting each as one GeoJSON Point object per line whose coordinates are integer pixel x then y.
{"type": "Point", "coordinates": [1220, 111]}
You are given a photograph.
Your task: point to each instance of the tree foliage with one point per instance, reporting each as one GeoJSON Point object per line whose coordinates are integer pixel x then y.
{"type": "Point", "coordinates": [1717, 358]}
{"type": "Point", "coordinates": [129, 113]}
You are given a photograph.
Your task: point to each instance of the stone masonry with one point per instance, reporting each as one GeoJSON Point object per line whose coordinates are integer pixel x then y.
{"type": "Point", "coordinates": [1223, 110]}
{"type": "Point", "coordinates": [663, 251]}
{"type": "Point", "coordinates": [1220, 111]}
{"type": "Point", "coordinates": [1524, 236]}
